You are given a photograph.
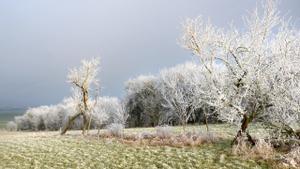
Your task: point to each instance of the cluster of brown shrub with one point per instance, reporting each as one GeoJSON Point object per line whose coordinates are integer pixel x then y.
{"type": "Point", "coordinates": [265, 150]}
{"type": "Point", "coordinates": [163, 136]}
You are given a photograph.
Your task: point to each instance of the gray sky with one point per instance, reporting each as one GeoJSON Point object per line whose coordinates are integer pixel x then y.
{"type": "Point", "coordinates": [41, 40]}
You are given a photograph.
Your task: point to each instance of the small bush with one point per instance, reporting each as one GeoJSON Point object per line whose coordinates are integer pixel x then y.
{"type": "Point", "coordinates": [11, 126]}
{"type": "Point", "coordinates": [164, 132]}
{"type": "Point", "coordinates": [115, 129]}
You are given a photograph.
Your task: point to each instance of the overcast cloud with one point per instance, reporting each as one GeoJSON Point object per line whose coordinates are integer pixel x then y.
{"type": "Point", "coordinates": [41, 39]}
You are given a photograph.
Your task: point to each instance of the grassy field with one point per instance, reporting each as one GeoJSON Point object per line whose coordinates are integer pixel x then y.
{"type": "Point", "coordinates": [50, 150]}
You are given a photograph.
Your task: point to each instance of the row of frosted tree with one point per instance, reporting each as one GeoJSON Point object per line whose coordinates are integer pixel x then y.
{"type": "Point", "coordinates": [172, 97]}
{"type": "Point", "coordinates": [241, 76]}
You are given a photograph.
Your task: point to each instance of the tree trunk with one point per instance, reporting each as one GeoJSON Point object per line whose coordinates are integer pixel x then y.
{"type": "Point", "coordinates": [205, 120]}
{"type": "Point", "coordinates": [184, 127]}
{"type": "Point", "coordinates": [243, 131]}
{"type": "Point", "coordinates": [69, 123]}
{"type": "Point", "coordinates": [89, 123]}
{"type": "Point", "coordinates": [206, 124]}
{"type": "Point", "coordinates": [85, 122]}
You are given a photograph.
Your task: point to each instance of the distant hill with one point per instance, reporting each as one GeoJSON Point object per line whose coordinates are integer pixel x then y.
{"type": "Point", "coordinates": [8, 114]}
{"type": "Point", "coordinates": [9, 110]}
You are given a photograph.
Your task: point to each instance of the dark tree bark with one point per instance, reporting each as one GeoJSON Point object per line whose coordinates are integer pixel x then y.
{"type": "Point", "coordinates": [243, 131]}
{"type": "Point", "coordinates": [83, 113]}
{"type": "Point", "coordinates": [69, 123]}
{"type": "Point", "coordinates": [205, 118]}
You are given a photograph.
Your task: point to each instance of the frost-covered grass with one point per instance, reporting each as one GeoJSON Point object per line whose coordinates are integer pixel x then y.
{"type": "Point", "coordinates": [223, 130]}
{"type": "Point", "coordinates": [50, 150]}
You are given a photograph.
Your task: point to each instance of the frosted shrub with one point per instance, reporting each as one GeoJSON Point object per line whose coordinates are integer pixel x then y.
{"type": "Point", "coordinates": [106, 110]}
{"type": "Point", "coordinates": [11, 126]}
{"type": "Point", "coordinates": [164, 132]}
{"type": "Point", "coordinates": [36, 117]}
{"type": "Point", "coordinates": [115, 129]}
{"type": "Point", "coordinates": [110, 110]}
{"type": "Point", "coordinates": [55, 117]}
{"type": "Point", "coordinates": [23, 123]}
{"type": "Point", "coordinates": [99, 116]}
{"type": "Point", "coordinates": [45, 117]}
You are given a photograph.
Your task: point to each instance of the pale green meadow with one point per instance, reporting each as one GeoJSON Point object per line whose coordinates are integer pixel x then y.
{"type": "Point", "coordinates": [50, 150]}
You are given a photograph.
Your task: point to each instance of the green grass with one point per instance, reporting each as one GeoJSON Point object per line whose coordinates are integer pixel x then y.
{"type": "Point", "coordinates": [50, 150]}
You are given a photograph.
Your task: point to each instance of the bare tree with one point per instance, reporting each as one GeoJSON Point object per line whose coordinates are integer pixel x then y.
{"type": "Point", "coordinates": [242, 93]}
{"type": "Point", "coordinates": [82, 78]}
{"type": "Point", "coordinates": [178, 86]}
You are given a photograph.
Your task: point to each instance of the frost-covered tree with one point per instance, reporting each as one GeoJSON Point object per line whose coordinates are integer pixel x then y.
{"type": "Point", "coordinates": [47, 117]}
{"type": "Point", "coordinates": [36, 117]}
{"type": "Point", "coordinates": [283, 80]}
{"type": "Point", "coordinates": [109, 110]}
{"type": "Point", "coordinates": [99, 116]}
{"type": "Point", "coordinates": [149, 98]}
{"type": "Point", "coordinates": [256, 63]}
{"type": "Point", "coordinates": [178, 86]}
{"type": "Point", "coordinates": [143, 101]}
{"type": "Point", "coordinates": [106, 110]}
{"type": "Point", "coordinates": [82, 79]}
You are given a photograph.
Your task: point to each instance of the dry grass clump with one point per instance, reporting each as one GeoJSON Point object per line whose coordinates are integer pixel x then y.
{"type": "Point", "coordinates": [292, 159]}
{"type": "Point", "coordinates": [162, 136]}
{"type": "Point", "coordinates": [164, 132]}
{"type": "Point", "coordinates": [129, 137]}
{"type": "Point", "coordinates": [261, 150]}
{"type": "Point", "coordinates": [115, 129]}
{"type": "Point", "coordinates": [194, 139]}
{"type": "Point", "coordinates": [264, 150]}
{"type": "Point", "coordinates": [165, 137]}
